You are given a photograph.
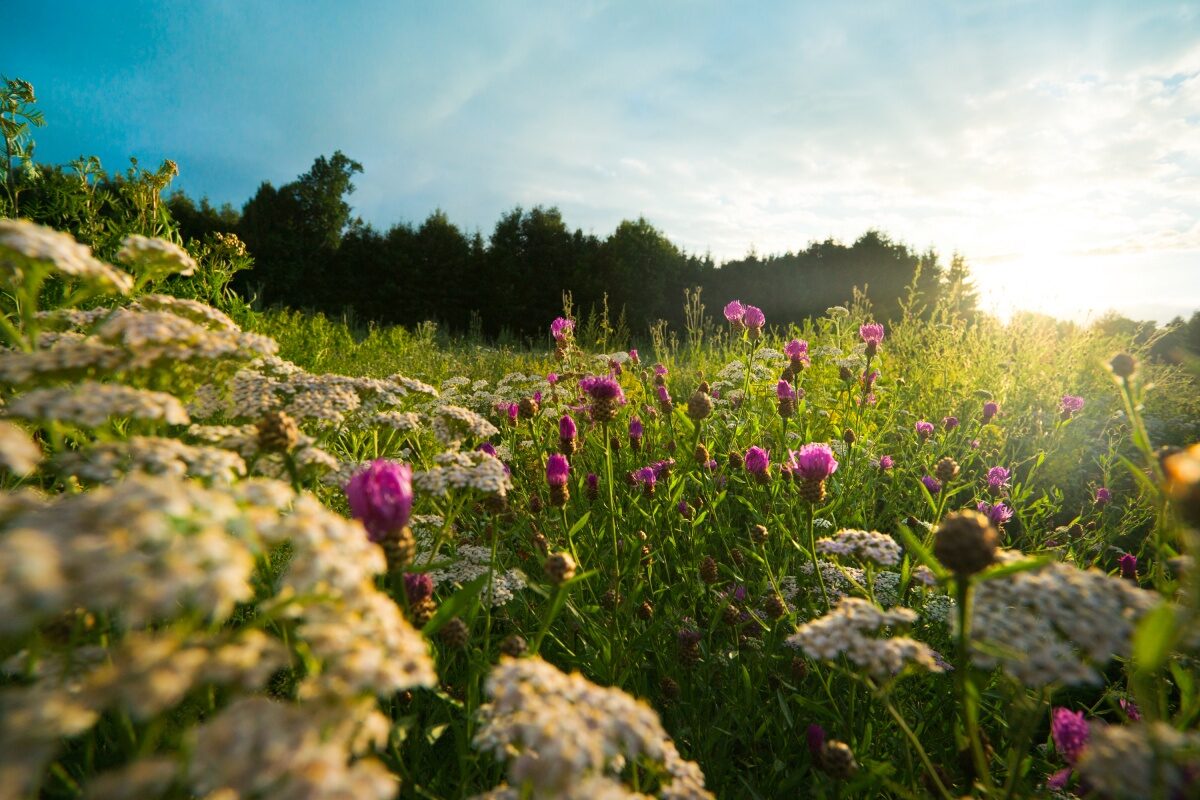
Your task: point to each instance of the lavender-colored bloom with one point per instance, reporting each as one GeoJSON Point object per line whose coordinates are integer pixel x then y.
{"type": "Point", "coordinates": [796, 349]}
{"type": "Point", "coordinates": [869, 378]}
{"type": "Point", "coordinates": [932, 484]}
{"type": "Point", "coordinates": [593, 481]}
{"type": "Point", "coordinates": [886, 463]}
{"type": "Point", "coordinates": [684, 509]}
{"type": "Point", "coordinates": [997, 513]}
{"type": "Point", "coordinates": [872, 332]}
{"type": "Point", "coordinates": [489, 448]}
{"type": "Point", "coordinates": [567, 428]}
{"type": "Point", "coordinates": [997, 479]}
{"type": "Point", "coordinates": [754, 318]}
{"type": "Point", "coordinates": [602, 388]}
{"type": "Point", "coordinates": [1128, 563]}
{"type": "Point", "coordinates": [646, 475]}
{"type": "Point", "coordinates": [949, 423]}
{"type": "Point", "coordinates": [659, 369]}
{"type": "Point", "coordinates": [735, 311]}
{"type": "Point", "coordinates": [561, 328]}
{"type": "Point", "coordinates": [557, 470]}
{"type": "Point", "coordinates": [924, 429]}
{"type": "Point", "coordinates": [662, 467]}
{"type": "Point", "coordinates": [636, 429]}
{"type": "Point", "coordinates": [1070, 732]}
{"type": "Point", "coordinates": [784, 391]}
{"type": "Point", "coordinates": [1060, 779]}
{"type": "Point", "coordinates": [974, 444]}
{"type": "Point", "coordinates": [689, 635]}
{"type": "Point", "coordinates": [757, 460]}
{"type": "Point", "coordinates": [633, 356]}
{"type": "Point", "coordinates": [664, 396]}
{"type": "Point", "coordinates": [552, 378]}
{"type": "Point", "coordinates": [814, 462]}
{"type": "Point", "coordinates": [1131, 710]}
{"type": "Point", "coordinates": [815, 735]}
{"type": "Point", "coordinates": [711, 465]}
{"type": "Point", "coordinates": [990, 410]}
{"type": "Point", "coordinates": [418, 586]}
{"type": "Point", "coordinates": [1070, 404]}
{"type": "Point", "coordinates": [1103, 496]}
{"type": "Point", "coordinates": [512, 410]}
{"type": "Point", "coordinates": [381, 495]}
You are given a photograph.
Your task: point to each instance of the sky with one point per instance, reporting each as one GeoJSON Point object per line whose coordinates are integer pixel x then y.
{"type": "Point", "coordinates": [1055, 145]}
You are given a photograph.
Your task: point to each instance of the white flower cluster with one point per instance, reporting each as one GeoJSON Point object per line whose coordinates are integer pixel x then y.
{"type": "Point", "coordinates": [25, 246]}
{"type": "Point", "coordinates": [469, 562]}
{"type": "Point", "coordinates": [193, 310]}
{"type": "Point", "coordinates": [260, 748]}
{"type": "Point", "coordinates": [868, 545]}
{"type": "Point", "coordinates": [1044, 625]}
{"type": "Point", "coordinates": [848, 630]}
{"type": "Point", "coordinates": [19, 454]}
{"type": "Point", "coordinates": [464, 470]}
{"type": "Point", "coordinates": [106, 462]}
{"type": "Point", "coordinates": [558, 731]}
{"type": "Point", "coordinates": [837, 578]}
{"type": "Point", "coordinates": [452, 425]}
{"type": "Point", "coordinates": [89, 405]}
{"type": "Point", "coordinates": [477, 396]}
{"type": "Point", "coordinates": [153, 258]}
{"type": "Point", "coordinates": [1126, 762]}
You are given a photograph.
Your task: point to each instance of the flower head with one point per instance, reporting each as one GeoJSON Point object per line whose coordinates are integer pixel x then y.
{"type": "Point", "coordinates": [924, 429]}
{"type": "Point", "coordinates": [784, 391]}
{"type": "Point", "coordinates": [1128, 563]}
{"type": "Point", "coordinates": [489, 448]}
{"type": "Point", "coordinates": [757, 460]}
{"type": "Point", "coordinates": [871, 333]}
{"type": "Point", "coordinates": [418, 586]}
{"type": "Point", "coordinates": [886, 463]}
{"type": "Point", "coordinates": [932, 484]}
{"type": "Point", "coordinates": [636, 428]}
{"type": "Point", "coordinates": [567, 428]}
{"type": "Point", "coordinates": [1070, 732]}
{"type": "Point", "coordinates": [816, 739]}
{"type": "Point", "coordinates": [949, 423]}
{"type": "Point", "coordinates": [562, 328]}
{"type": "Point", "coordinates": [1103, 496]}
{"type": "Point", "coordinates": [796, 348]}
{"type": "Point", "coordinates": [647, 476]}
{"type": "Point", "coordinates": [633, 357]}
{"type": "Point", "coordinates": [997, 479]}
{"type": "Point", "coordinates": [997, 513]}
{"type": "Point", "coordinates": [602, 388]}
{"type": "Point", "coordinates": [754, 318]}
{"type": "Point", "coordinates": [734, 312]}
{"type": "Point", "coordinates": [1069, 405]}
{"type": "Point", "coordinates": [382, 497]}
{"type": "Point", "coordinates": [814, 462]}
{"type": "Point", "coordinates": [990, 409]}
{"type": "Point", "coordinates": [557, 470]}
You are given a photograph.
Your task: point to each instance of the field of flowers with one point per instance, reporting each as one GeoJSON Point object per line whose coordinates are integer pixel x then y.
{"type": "Point", "coordinates": [268, 558]}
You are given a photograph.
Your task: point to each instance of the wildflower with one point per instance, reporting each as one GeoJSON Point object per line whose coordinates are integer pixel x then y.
{"type": "Point", "coordinates": [997, 480]}
{"type": "Point", "coordinates": [786, 397]}
{"type": "Point", "coordinates": [708, 570]}
{"type": "Point", "coordinates": [870, 545]}
{"type": "Point", "coordinates": [924, 429]}
{"type": "Point", "coordinates": [592, 486]}
{"type": "Point", "coordinates": [1103, 496]}
{"type": "Point", "coordinates": [633, 357]}
{"type": "Point", "coordinates": [1123, 365]}
{"type": "Point", "coordinates": [847, 630]}
{"type": "Point", "coordinates": [25, 246]}
{"type": "Point", "coordinates": [1131, 710]}
{"type": "Point", "coordinates": [1070, 732]}
{"type": "Point", "coordinates": [932, 484]}
{"type": "Point", "coordinates": [997, 513]}
{"type": "Point", "coordinates": [660, 371]}
{"type": "Point", "coordinates": [754, 320]}
{"type": "Point", "coordinates": [418, 586]}
{"type": "Point", "coordinates": [699, 406]}
{"type": "Point", "coordinates": [684, 509]}
{"type": "Point", "coordinates": [872, 334]}
{"type": "Point", "coordinates": [965, 542]}
{"type": "Point", "coordinates": [489, 448]}
{"type": "Point", "coordinates": [606, 396]}
{"type": "Point", "coordinates": [381, 496]}
{"type": "Point", "coordinates": [561, 329]}
{"type": "Point", "coordinates": [869, 378]}
{"type": "Point", "coordinates": [886, 463]}
{"type": "Point", "coordinates": [1140, 760]}
{"type": "Point", "coordinates": [560, 567]}
{"type": "Point", "coordinates": [757, 460]}
{"type": "Point", "coordinates": [18, 452]}
{"type": "Point", "coordinates": [1069, 405]}
{"type": "Point", "coordinates": [813, 463]}
{"type": "Point", "coordinates": [647, 477]}
{"type": "Point", "coordinates": [1128, 564]}
{"type": "Point", "coordinates": [815, 737]}
{"type": "Point", "coordinates": [946, 469]}
{"type": "Point", "coordinates": [990, 410]}
{"type": "Point", "coordinates": [735, 313]}
{"type": "Point", "coordinates": [552, 378]}
{"type": "Point", "coordinates": [797, 352]}
{"type": "Point", "coordinates": [949, 423]}
{"type": "Point", "coordinates": [152, 259]}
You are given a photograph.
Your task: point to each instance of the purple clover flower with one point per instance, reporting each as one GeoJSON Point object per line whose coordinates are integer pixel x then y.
{"type": "Point", "coordinates": [489, 448]}
{"type": "Point", "coordinates": [997, 513]}
{"type": "Point", "coordinates": [664, 396]}
{"type": "Point", "coordinates": [949, 423]}
{"type": "Point", "coordinates": [381, 495]}
{"type": "Point", "coordinates": [886, 463]}
{"type": "Point", "coordinates": [602, 387]}
{"type": "Point", "coordinates": [814, 462]}
{"type": "Point", "coordinates": [1070, 732]}
{"type": "Point", "coordinates": [734, 312]}
{"type": "Point", "coordinates": [796, 349]}
{"type": "Point", "coordinates": [924, 429]}
{"type": "Point", "coordinates": [932, 484]}
{"type": "Point", "coordinates": [1103, 496]}
{"type": "Point", "coordinates": [997, 479]}
{"type": "Point", "coordinates": [784, 391]}
{"type": "Point", "coordinates": [990, 409]}
{"type": "Point", "coordinates": [815, 737]}
{"type": "Point", "coordinates": [871, 333]}
{"type": "Point", "coordinates": [418, 586]}
{"type": "Point", "coordinates": [633, 356]}
{"type": "Point", "coordinates": [757, 460]}
{"type": "Point", "coordinates": [567, 428]}
{"type": "Point", "coordinates": [561, 328]}
{"type": "Point", "coordinates": [557, 470]}
{"type": "Point", "coordinates": [593, 482]}
{"type": "Point", "coordinates": [1069, 405]}
{"type": "Point", "coordinates": [753, 318]}
{"type": "Point", "coordinates": [636, 428]}
{"type": "Point", "coordinates": [1128, 563]}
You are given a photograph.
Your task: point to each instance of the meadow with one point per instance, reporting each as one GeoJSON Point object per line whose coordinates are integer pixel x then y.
{"type": "Point", "coordinates": [270, 554]}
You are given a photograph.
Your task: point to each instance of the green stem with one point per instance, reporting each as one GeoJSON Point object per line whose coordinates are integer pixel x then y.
{"type": "Point", "coordinates": [969, 707]}
{"type": "Point", "coordinates": [812, 552]}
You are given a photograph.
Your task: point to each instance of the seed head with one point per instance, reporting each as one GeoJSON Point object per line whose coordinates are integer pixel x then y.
{"type": "Point", "coordinates": [966, 542]}
{"type": "Point", "coordinates": [560, 567]}
{"type": "Point", "coordinates": [455, 633]}
{"type": "Point", "coordinates": [1123, 365]}
{"type": "Point", "coordinates": [837, 759]}
{"type": "Point", "coordinates": [946, 469]}
{"type": "Point", "coordinates": [708, 570]}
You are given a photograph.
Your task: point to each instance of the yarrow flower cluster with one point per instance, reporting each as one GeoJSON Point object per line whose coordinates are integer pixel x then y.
{"type": "Point", "coordinates": [560, 731]}
{"type": "Point", "coordinates": [868, 545]}
{"type": "Point", "coordinates": [849, 630]}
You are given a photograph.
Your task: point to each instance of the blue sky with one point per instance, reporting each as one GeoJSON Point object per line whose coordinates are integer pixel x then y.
{"type": "Point", "coordinates": [1056, 145]}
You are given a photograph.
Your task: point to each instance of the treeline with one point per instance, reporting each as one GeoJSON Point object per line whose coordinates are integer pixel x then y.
{"type": "Point", "coordinates": [311, 252]}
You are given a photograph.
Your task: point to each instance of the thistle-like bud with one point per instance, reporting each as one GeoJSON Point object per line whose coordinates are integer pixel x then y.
{"type": "Point", "coordinates": [702, 455]}
{"type": "Point", "coordinates": [514, 645]}
{"type": "Point", "coordinates": [759, 534]}
{"type": "Point", "coordinates": [946, 469]}
{"type": "Point", "coordinates": [645, 610]}
{"type": "Point", "coordinates": [560, 567]}
{"type": "Point", "coordinates": [812, 490]}
{"type": "Point", "coordinates": [455, 633]}
{"type": "Point", "coordinates": [708, 570]}
{"type": "Point", "coordinates": [610, 599]}
{"type": "Point", "coordinates": [774, 606]}
{"type": "Point", "coordinates": [399, 547]}
{"type": "Point", "coordinates": [1123, 365]}
{"type": "Point", "coordinates": [422, 611]}
{"type": "Point", "coordinates": [735, 460]}
{"type": "Point", "coordinates": [966, 542]}
{"type": "Point", "coordinates": [539, 541]}
{"type": "Point", "coordinates": [738, 557]}
{"type": "Point", "coordinates": [528, 408]}
{"type": "Point", "coordinates": [559, 495]}
{"type": "Point", "coordinates": [837, 759]}
{"type": "Point", "coordinates": [277, 432]}
{"type": "Point", "coordinates": [849, 437]}
{"type": "Point", "coordinates": [669, 688]}
{"type": "Point", "coordinates": [699, 406]}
